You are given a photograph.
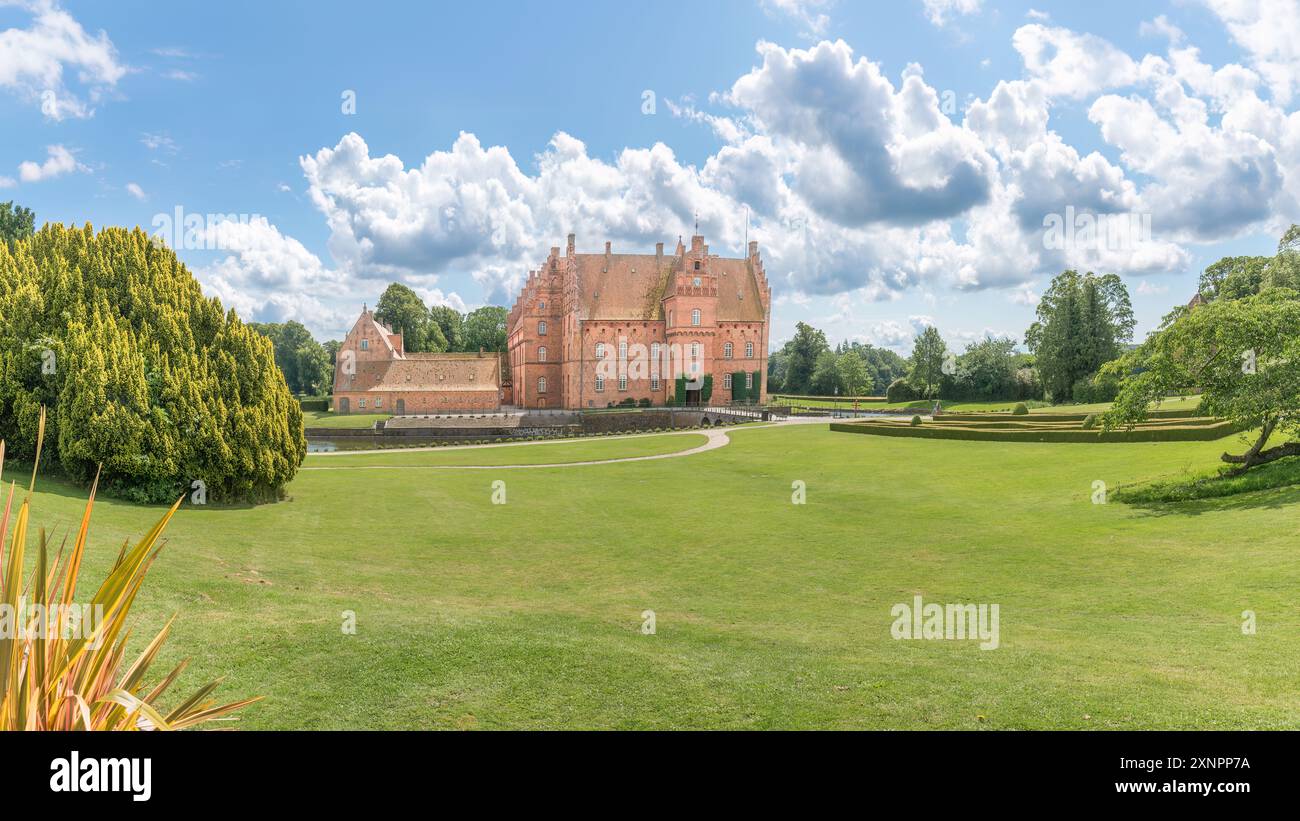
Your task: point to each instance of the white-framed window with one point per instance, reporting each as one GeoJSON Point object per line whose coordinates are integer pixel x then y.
{"type": "Point", "coordinates": [622, 382]}
{"type": "Point", "coordinates": [541, 329]}
{"type": "Point", "coordinates": [365, 344]}
{"type": "Point", "coordinates": [727, 350]}
{"type": "Point", "coordinates": [654, 355]}
{"type": "Point", "coordinates": [541, 305]}
{"type": "Point", "coordinates": [749, 381]}
{"type": "Point", "coordinates": [749, 350]}
{"type": "Point", "coordinates": [541, 353]}
{"type": "Point", "coordinates": [541, 384]}
{"type": "Point", "coordinates": [600, 382]}
{"type": "Point", "coordinates": [622, 350]}
{"type": "Point", "coordinates": [361, 403]}
{"type": "Point", "coordinates": [726, 381]}
{"type": "Point", "coordinates": [379, 402]}
{"type": "Point", "coordinates": [695, 317]}
{"type": "Point", "coordinates": [695, 350]}
{"type": "Point", "coordinates": [654, 383]}
{"type": "Point", "coordinates": [600, 350]}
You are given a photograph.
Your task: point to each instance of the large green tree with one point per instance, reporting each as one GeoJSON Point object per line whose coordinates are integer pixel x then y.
{"type": "Point", "coordinates": [854, 378]}
{"type": "Point", "coordinates": [402, 310]}
{"type": "Point", "coordinates": [451, 324]}
{"type": "Point", "coordinates": [1244, 354]}
{"type": "Point", "coordinates": [927, 361]}
{"type": "Point", "coordinates": [308, 368]}
{"type": "Point", "coordinates": [988, 369]}
{"type": "Point", "coordinates": [1084, 320]}
{"type": "Point", "coordinates": [825, 378]}
{"type": "Point", "coordinates": [143, 375]}
{"type": "Point", "coordinates": [485, 328]}
{"type": "Point", "coordinates": [801, 354]}
{"type": "Point", "coordinates": [16, 222]}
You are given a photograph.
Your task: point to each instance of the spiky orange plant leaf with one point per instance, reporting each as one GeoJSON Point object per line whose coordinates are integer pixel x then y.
{"type": "Point", "coordinates": [52, 681]}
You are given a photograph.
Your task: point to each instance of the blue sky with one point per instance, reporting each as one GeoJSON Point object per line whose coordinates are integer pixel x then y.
{"type": "Point", "coordinates": [897, 159]}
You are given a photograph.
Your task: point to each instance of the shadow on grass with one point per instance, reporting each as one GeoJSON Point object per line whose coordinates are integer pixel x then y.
{"type": "Point", "coordinates": [56, 483]}
{"type": "Point", "coordinates": [1264, 498]}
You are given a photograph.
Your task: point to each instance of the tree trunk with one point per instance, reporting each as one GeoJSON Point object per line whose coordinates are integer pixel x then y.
{"type": "Point", "coordinates": [1257, 455]}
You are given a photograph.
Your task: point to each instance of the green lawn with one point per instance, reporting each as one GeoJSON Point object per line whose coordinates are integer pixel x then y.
{"type": "Point", "coordinates": [769, 614]}
{"type": "Point", "coordinates": [349, 421]}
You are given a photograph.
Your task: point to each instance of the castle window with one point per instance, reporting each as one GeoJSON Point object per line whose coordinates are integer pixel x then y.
{"type": "Point", "coordinates": [695, 350]}
{"type": "Point", "coordinates": [622, 350]}
{"type": "Point", "coordinates": [728, 350]}
{"type": "Point", "coordinates": [749, 350]}
{"type": "Point", "coordinates": [697, 265]}
{"type": "Point", "coordinates": [600, 350]}
{"type": "Point", "coordinates": [541, 353]}
{"type": "Point", "coordinates": [365, 344]}
{"type": "Point", "coordinates": [749, 381]}
{"type": "Point", "coordinates": [600, 382]}
{"type": "Point", "coordinates": [696, 282]}
{"type": "Point", "coordinates": [541, 384]}
{"type": "Point", "coordinates": [361, 403]}
{"type": "Point", "coordinates": [622, 383]}
{"type": "Point", "coordinates": [654, 354]}
{"type": "Point", "coordinates": [379, 402]}
{"type": "Point", "coordinates": [695, 317]}
{"type": "Point", "coordinates": [541, 305]}
{"type": "Point", "coordinates": [726, 381]}
{"type": "Point", "coordinates": [541, 329]}
{"type": "Point", "coordinates": [654, 383]}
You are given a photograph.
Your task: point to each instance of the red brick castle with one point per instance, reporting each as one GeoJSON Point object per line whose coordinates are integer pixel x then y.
{"type": "Point", "coordinates": [590, 330]}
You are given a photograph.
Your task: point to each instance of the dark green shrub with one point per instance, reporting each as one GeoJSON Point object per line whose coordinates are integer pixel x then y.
{"type": "Point", "coordinates": [901, 391]}
{"type": "Point", "coordinates": [916, 420]}
{"type": "Point", "coordinates": [1019, 409]}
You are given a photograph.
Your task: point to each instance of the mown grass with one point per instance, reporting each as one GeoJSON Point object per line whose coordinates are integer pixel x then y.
{"type": "Point", "coordinates": [1213, 484]}
{"type": "Point", "coordinates": [342, 421]}
{"type": "Point", "coordinates": [769, 614]}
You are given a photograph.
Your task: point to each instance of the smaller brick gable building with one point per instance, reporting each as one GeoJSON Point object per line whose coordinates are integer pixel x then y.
{"type": "Point", "coordinates": [373, 373]}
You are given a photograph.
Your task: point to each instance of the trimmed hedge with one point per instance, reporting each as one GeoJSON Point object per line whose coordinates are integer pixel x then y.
{"type": "Point", "coordinates": [1201, 433]}
{"type": "Point", "coordinates": [840, 398]}
{"type": "Point", "coordinates": [321, 405]}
